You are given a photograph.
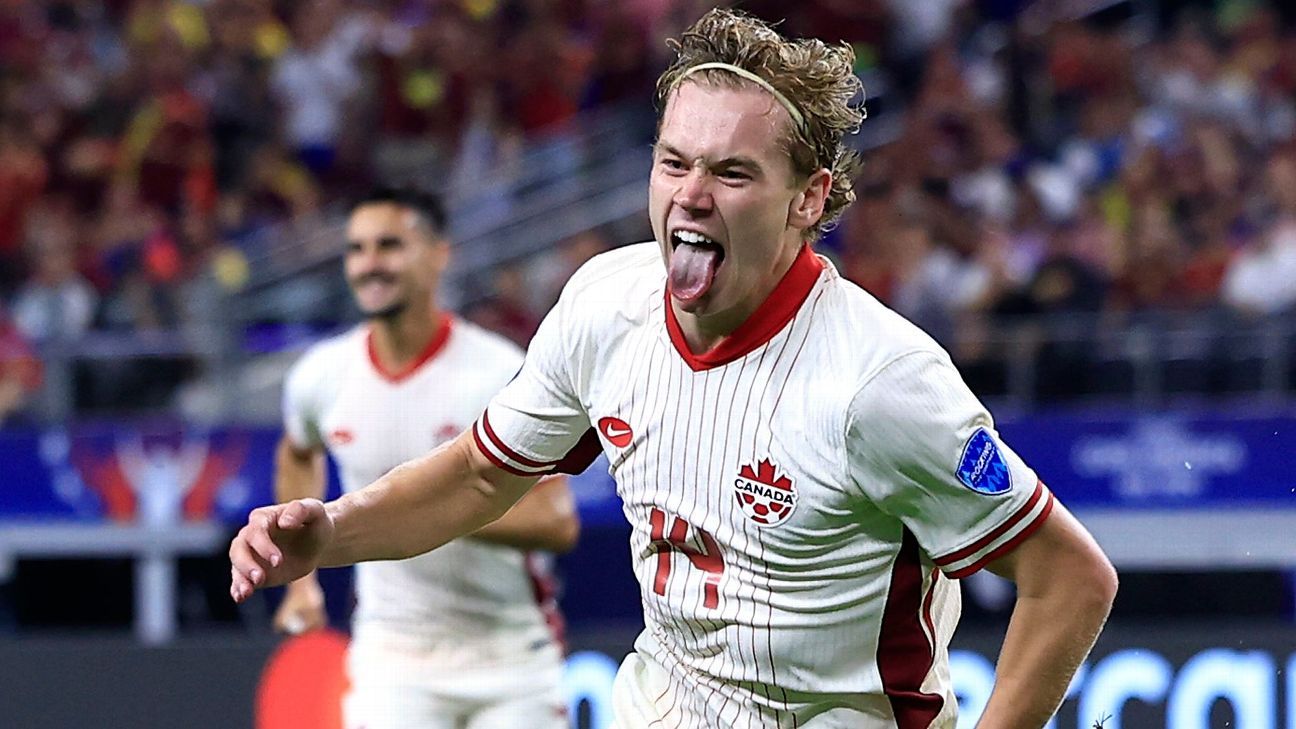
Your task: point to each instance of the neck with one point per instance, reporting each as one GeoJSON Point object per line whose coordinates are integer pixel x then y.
{"type": "Point", "coordinates": [704, 333]}
{"type": "Point", "coordinates": [398, 340]}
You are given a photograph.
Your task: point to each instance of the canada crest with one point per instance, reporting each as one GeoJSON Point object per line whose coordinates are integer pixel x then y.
{"type": "Point", "coordinates": [765, 496]}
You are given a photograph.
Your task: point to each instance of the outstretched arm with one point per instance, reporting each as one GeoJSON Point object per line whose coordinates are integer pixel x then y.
{"type": "Point", "coordinates": [1065, 589]}
{"type": "Point", "coordinates": [543, 519]}
{"type": "Point", "coordinates": [415, 507]}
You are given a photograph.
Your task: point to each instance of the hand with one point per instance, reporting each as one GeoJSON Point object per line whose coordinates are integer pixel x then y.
{"type": "Point", "coordinates": [279, 544]}
{"type": "Point", "coordinates": [302, 608]}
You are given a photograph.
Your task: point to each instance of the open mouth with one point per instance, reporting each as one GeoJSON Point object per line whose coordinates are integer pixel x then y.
{"type": "Point", "coordinates": [694, 238]}
{"type": "Point", "coordinates": [694, 260]}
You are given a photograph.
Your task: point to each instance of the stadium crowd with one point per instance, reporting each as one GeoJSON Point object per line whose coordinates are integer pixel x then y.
{"type": "Point", "coordinates": [1106, 163]}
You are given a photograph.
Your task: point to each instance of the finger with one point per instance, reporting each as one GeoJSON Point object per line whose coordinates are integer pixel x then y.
{"type": "Point", "coordinates": [245, 560]}
{"type": "Point", "coordinates": [260, 542]}
{"type": "Point", "coordinates": [240, 588]}
{"type": "Point", "coordinates": [240, 556]}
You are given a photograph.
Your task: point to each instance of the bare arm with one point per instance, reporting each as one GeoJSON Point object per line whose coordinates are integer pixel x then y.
{"type": "Point", "coordinates": [422, 504]}
{"type": "Point", "coordinates": [543, 519]}
{"type": "Point", "coordinates": [414, 508]}
{"type": "Point", "coordinates": [299, 474]}
{"type": "Point", "coordinates": [1065, 588]}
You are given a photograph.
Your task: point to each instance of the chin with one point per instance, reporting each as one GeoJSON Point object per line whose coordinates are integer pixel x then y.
{"type": "Point", "coordinates": [698, 307]}
{"type": "Point", "coordinates": [689, 307]}
{"type": "Point", "coordinates": [388, 311]}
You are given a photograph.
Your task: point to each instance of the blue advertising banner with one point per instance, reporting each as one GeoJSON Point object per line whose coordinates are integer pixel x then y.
{"type": "Point", "coordinates": [1123, 460]}
{"type": "Point", "coordinates": [157, 473]}
{"type": "Point", "coordinates": [1161, 461]}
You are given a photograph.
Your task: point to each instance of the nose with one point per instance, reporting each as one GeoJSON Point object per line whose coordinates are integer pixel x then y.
{"type": "Point", "coordinates": [363, 261]}
{"type": "Point", "coordinates": [694, 191]}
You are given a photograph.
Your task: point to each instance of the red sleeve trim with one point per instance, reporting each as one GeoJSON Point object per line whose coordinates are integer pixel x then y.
{"type": "Point", "coordinates": [999, 531]}
{"type": "Point", "coordinates": [1007, 546]}
{"type": "Point", "coordinates": [499, 463]}
{"type": "Point", "coordinates": [509, 452]}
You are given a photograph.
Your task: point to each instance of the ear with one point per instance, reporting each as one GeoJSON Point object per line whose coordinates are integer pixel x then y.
{"type": "Point", "coordinates": [808, 205]}
{"type": "Point", "coordinates": [440, 254]}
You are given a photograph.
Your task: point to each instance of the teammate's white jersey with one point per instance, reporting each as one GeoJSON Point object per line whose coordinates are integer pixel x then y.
{"type": "Point", "coordinates": [800, 496]}
{"type": "Point", "coordinates": [370, 421]}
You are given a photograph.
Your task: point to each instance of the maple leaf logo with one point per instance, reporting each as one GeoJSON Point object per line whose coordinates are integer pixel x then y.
{"type": "Point", "coordinates": [765, 474]}
{"type": "Point", "coordinates": [763, 495]}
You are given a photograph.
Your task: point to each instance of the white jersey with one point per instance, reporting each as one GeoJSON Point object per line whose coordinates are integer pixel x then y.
{"type": "Point", "coordinates": [371, 420]}
{"type": "Point", "coordinates": [800, 496]}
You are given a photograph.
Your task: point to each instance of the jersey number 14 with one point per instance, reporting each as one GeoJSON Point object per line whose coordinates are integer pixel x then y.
{"type": "Point", "coordinates": [708, 559]}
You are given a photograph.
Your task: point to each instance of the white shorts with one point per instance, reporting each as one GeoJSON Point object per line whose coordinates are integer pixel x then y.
{"type": "Point", "coordinates": [639, 682]}
{"type": "Point", "coordinates": [397, 684]}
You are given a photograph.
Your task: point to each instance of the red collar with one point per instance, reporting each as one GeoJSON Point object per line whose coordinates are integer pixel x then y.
{"type": "Point", "coordinates": [433, 348]}
{"type": "Point", "coordinates": [768, 319]}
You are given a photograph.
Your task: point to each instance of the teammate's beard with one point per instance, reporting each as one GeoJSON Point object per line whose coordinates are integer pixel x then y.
{"type": "Point", "coordinates": [388, 312]}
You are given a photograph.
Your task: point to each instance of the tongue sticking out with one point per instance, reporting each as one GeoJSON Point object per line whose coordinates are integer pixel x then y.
{"type": "Point", "coordinates": [692, 271]}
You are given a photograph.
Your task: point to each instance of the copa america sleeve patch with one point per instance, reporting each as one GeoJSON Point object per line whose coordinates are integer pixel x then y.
{"type": "Point", "coordinates": [982, 467]}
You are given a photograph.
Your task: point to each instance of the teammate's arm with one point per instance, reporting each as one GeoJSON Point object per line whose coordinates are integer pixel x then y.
{"type": "Point", "coordinates": [1065, 588]}
{"type": "Point", "coordinates": [543, 519]}
{"type": "Point", "coordinates": [415, 507]}
{"type": "Point", "coordinates": [300, 474]}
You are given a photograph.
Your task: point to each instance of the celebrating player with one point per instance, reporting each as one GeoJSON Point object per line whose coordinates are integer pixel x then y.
{"type": "Point", "coordinates": [464, 636]}
{"type": "Point", "coordinates": [805, 472]}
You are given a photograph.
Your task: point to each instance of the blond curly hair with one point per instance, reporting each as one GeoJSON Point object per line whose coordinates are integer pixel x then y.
{"type": "Point", "coordinates": [816, 78]}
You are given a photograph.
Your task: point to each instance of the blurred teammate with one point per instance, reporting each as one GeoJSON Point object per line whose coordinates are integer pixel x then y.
{"type": "Point", "coordinates": [804, 470]}
{"type": "Point", "coordinates": [464, 637]}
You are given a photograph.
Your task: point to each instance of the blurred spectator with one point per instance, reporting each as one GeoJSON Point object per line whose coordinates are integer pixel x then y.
{"type": "Point", "coordinates": [20, 370]}
{"type": "Point", "coordinates": [1262, 277]}
{"type": "Point", "coordinates": [934, 284]}
{"type": "Point", "coordinates": [165, 154]}
{"type": "Point", "coordinates": [505, 309]}
{"type": "Point", "coordinates": [23, 173]}
{"type": "Point", "coordinates": [56, 303]}
{"type": "Point", "coordinates": [318, 77]}
{"type": "Point", "coordinates": [623, 64]}
{"type": "Point", "coordinates": [543, 101]}
{"type": "Point", "coordinates": [546, 275]}
{"type": "Point", "coordinates": [429, 68]}
{"type": "Point", "coordinates": [242, 115]}
{"type": "Point", "coordinates": [1038, 159]}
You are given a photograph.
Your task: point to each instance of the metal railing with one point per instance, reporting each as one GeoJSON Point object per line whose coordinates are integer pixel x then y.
{"type": "Point", "coordinates": [1148, 360]}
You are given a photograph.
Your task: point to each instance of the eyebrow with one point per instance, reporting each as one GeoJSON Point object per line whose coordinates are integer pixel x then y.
{"type": "Point", "coordinates": [380, 240]}
{"type": "Point", "coordinates": [727, 162]}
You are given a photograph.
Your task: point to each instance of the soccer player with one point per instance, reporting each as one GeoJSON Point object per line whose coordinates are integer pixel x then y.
{"type": "Point", "coordinates": [805, 472]}
{"type": "Point", "coordinates": [465, 637]}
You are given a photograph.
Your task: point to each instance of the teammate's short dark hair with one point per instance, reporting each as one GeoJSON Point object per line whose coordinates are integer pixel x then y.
{"type": "Point", "coordinates": [428, 205]}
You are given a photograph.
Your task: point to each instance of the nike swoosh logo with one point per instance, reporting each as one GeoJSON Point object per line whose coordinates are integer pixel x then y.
{"type": "Point", "coordinates": [617, 431]}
